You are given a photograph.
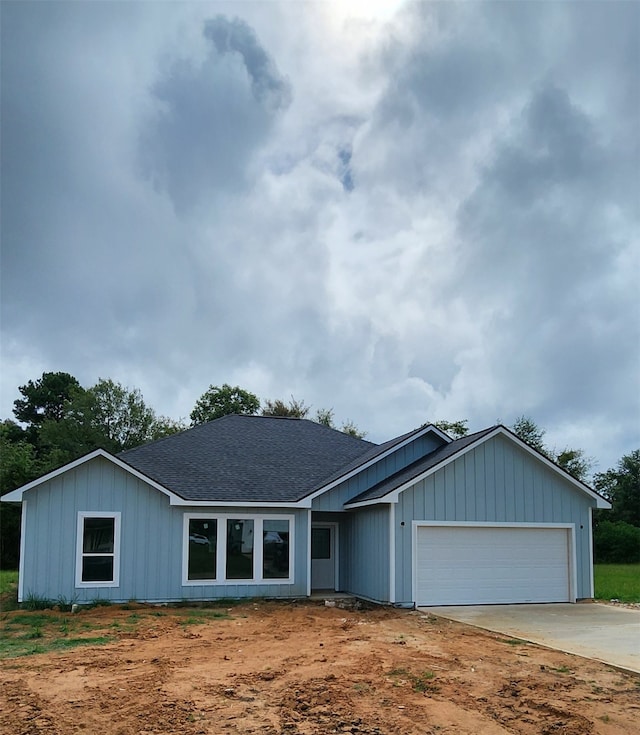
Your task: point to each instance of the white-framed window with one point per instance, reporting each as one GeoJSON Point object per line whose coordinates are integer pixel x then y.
{"type": "Point", "coordinates": [98, 549]}
{"type": "Point", "coordinates": [237, 548]}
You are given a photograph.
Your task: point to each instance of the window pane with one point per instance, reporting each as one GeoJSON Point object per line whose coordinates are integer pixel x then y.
{"type": "Point", "coordinates": [98, 535]}
{"type": "Point", "coordinates": [203, 535]}
{"type": "Point", "coordinates": [275, 540]}
{"type": "Point", "coordinates": [321, 543]}
{"type": "Point", "coordinates": [97, 568]}
{"type": "Point", "coordinates": [239, 549]}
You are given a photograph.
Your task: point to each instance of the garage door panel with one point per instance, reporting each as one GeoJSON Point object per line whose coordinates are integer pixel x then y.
{"type": "Point", "coordinates": [476, 565]}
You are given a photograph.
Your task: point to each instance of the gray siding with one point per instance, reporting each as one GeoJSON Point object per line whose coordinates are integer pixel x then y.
{"type": "Point", "coordinates": [364, 553]}
{"type": "Point", "coordinates": [335, 498]}
{"type": "Point", "coordinates": [151, 540]}
{"type": "Point", "coordinates": [497, 481]}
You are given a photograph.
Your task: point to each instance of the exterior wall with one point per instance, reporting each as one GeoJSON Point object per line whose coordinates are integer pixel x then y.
{"type": "Point", "coordinates": [335, 498]}
{"type": "Point", "coordinates": [499, 482]}
{"type": "Point", "coordinates": [151, 549]}
{"type": "Point", "coordinates": [364, 553]}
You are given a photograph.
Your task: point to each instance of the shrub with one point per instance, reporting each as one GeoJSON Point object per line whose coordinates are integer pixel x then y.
{"type": "Point", "coordinates": [616, 542]}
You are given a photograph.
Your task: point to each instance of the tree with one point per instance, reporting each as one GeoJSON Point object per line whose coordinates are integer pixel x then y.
{"type": "Point", "coordinates": [575, 462]}
{"type": "Point", "coordinates": [527, 429]}
{"type": "Point", "coordinates": [294, 409]}
{"type": "Point", "coordinates": [107, 415]}
{"type": "Point", "coordinates": [325, 417]}
{"type": "Point", "coordinates": [222, 401]}
{"type": "Point", "coordinates": [44, 400]}
{"type": "Point", "coordinates": [621, 486]}
{"type": "Point", "coordinates": [19, 465]}
{"type": "Point", "coordinates": [456, 429]}
{"type": "Point", "coordinates": [348, 427]}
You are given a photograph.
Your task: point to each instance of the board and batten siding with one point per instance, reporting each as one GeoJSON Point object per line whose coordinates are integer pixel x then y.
{"type": "Point", "coordinates": [152, 537]}
{"type": "Point", "coordinates": [364, 553]}
{"type": "Point", "coordinates": [334, 499]}
{"type": "Point", "coordinates": [495, 482]}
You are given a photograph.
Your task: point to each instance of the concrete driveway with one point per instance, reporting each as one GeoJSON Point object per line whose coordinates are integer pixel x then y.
{"type": "Point", "coordinates": [602, 632]}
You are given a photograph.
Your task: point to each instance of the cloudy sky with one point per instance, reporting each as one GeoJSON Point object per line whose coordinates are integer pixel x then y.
{"type": "Point", "coordinates": [403, 211]}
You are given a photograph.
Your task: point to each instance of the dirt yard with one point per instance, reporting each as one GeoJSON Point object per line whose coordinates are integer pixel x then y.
{"type": "Point", "coordinates": [301, 668]}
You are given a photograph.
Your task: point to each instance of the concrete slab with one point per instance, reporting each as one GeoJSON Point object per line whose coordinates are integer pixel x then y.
{"type": "Point", "coordinates": [602, 632]}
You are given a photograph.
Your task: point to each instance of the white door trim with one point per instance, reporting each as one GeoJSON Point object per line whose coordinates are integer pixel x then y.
{"type": "Point", "coordinates": [570, 527]}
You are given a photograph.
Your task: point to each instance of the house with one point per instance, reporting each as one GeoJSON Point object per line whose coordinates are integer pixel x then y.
{"type": "Point", "coordinates": [249, 506]}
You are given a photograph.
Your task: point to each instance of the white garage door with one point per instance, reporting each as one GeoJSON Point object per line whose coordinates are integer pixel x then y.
{"type": "Point", "coordinates": [471, 565]}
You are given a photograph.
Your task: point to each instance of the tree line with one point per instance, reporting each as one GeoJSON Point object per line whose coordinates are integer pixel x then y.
{"type": "Point", "coordinates": [56, 420]}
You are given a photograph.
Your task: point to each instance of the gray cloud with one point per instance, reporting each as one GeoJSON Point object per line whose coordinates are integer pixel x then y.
{"type": "Point", "coordinates": [436, 218]}
{"type": "Point", "coordinates": [209, 118]}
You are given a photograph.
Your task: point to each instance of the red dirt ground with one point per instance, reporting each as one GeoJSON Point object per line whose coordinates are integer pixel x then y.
{"type": "Point", "coordinates": [306, 669]}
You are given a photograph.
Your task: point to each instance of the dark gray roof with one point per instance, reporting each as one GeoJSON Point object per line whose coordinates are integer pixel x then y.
{"type": "Point", "coordinates": [247, 458]}
{"type": "Point", "coordinates": [375, 451]}
{"type": "Point", "coordinates": [428, 462]}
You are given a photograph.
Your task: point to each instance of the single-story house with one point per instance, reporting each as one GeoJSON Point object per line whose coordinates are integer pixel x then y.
{"type": "Point", "coordinates": [249, 506]}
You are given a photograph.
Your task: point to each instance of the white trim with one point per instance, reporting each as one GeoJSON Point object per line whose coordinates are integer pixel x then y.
{"type": "Point", "coordinates": [571, 558]}
{"type": "Point", "coordinates": [392, 553]}
{"type": "Point", "coordinates": [309, 524]}
{"type": "Point", "coordinates": [82, 514]}
{"type": "Point", "coordinates": [393, 495]}
{"type": "Point", "coordinates": [573, 564]}
{"type": "Point", "coordinates": [415, 435]}
{"type": "Point", "coordinates": [335, 526]}
{"type": "Point", "coordinates": [16, 495]}
{"type": "Point", "coordinates": [221, 548]}
{"type": "Point", "coordinates": [591, 580]}
{"type": "Point", "coordinates": [182, 502]}
{"type": "Point", "coordinates": [23, 546]}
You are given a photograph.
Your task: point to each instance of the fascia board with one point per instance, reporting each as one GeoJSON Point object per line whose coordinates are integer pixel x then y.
{"type": "Point", "coordinates": [600, 501]}
{"type": "Point", "coordinates": [16, 495]}
{"type": "Point", "coordinates": [237, 504]}
{"type": "Point", "coordinates": [343, 478]}
{"type": "Point", "coordinates": [393, 495]}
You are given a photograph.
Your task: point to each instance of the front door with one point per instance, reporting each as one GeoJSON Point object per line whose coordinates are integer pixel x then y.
{"type": "Point", "coordinates": [323, 556]}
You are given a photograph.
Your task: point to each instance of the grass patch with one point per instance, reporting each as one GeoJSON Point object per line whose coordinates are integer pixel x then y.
{"type": "Point", "coordinates": [514, 641]}
{"type": "Point", "coordinates": [617, 582]}
{"type": "Point", "coordinates": [8, 581]}
{"type": "Point", "coordinates": [422, 682]}
{"type": "Point", "coordinates": [27, 632]}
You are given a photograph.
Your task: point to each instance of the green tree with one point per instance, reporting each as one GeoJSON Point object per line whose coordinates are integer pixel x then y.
{"type": "Point", "coordinates": [527, 429]}
{"type": "Point", "coordinates": [19, 465]}
{"type": "Point", "coordinates": [616, 542]}
{"type": "Point", "coordinates": [107, 415]}
{"type": "Point", "coordinates": [44, 400]}
{"type": "Point", "coordinates": [456, 429]}
{"type": "Point", "coordinates": [325, 417]}
{"type": "Point", "coordinates": [575, 462]}
{"type": "Point", "coordinates": [348, 427]}
{"type": "Point", "coordinates": [223, 400]}
{"type": "Point", "coordinates": [621, 486]}
{"type": "Point", "coordinates": [294, 409]}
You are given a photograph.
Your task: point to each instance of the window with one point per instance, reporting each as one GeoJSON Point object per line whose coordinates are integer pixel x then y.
{"type": "Point", "coordinates": [98, 549]}
{"type": "Point", "coordinates": [237, 549]}
{"type": "Point", "coordinates": [275, 545]}
{"type": "Point", "coordinates": [321, 543]}
{"type": "Point", "coordinates": [203, 540]}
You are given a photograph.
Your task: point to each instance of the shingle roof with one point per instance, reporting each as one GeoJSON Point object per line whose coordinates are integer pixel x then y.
{"type": "Point", "coordinates": [375, 451]}
{"type": "Point", "coordinates": [247, 458]}
{"type": "Point", "coordinates": [428, 462]}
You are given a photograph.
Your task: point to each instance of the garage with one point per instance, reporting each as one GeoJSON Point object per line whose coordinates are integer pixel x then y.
{"type": "Point", "coordinates": [493, 563]}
